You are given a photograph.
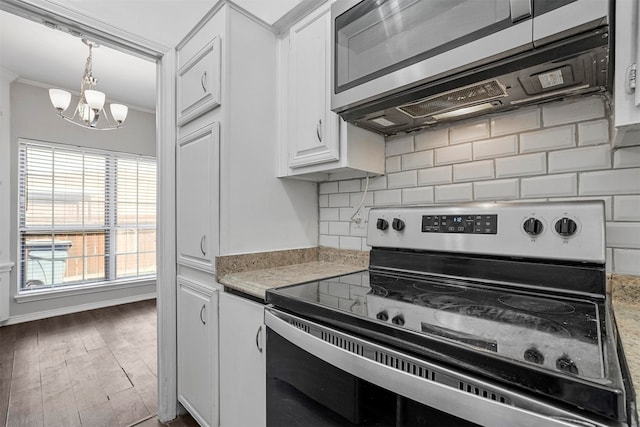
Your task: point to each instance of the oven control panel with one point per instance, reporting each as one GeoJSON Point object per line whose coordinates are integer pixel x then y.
{"type": "Point", "coordinates": [572, 230]}
{"type": "Point", "coordinates": [474, 224]}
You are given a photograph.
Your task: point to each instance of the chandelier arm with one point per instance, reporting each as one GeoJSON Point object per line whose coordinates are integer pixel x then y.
{"type": "Point", "coordinates": [82, 125]}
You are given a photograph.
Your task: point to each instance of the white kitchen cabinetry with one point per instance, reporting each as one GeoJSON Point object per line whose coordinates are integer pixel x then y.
{"type": "Point", "coordinates": [197, 330]}
{"type": "Point", "coordinates": [627, 52]}
{"type": "Point", "coordinates": [198, 84]}
{"type": "Point", "coordinates": [197, 197]}
{"type": "Point", "coordinates": [317, 142]}
{"type": "Point", "coordinates": [242, 362]}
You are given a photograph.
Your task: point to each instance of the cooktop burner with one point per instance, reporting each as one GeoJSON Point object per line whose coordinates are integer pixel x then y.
{"type": "Point", "coordinates": [556, 334]}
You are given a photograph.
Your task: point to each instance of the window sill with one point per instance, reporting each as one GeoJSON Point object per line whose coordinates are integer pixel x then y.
{"type": "Point", "coordinates": [81, 290]}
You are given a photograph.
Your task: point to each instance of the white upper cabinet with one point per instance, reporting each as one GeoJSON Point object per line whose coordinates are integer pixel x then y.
{"type": "Point", "coordinates": [626, 88]}
{"type": "Point", "coordinates": [314, 140]}
{"type": "Point", "coordinates": [198, 84]}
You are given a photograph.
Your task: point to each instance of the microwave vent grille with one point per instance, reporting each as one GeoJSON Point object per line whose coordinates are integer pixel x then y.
{"type": "Point", "coordinates": [458, 98]}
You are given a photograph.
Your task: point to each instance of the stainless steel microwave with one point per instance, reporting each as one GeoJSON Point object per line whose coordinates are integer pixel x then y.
{"type": "Point", "coordinates": [382, 47]}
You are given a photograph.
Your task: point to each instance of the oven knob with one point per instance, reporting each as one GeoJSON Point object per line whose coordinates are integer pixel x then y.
{"type": "Point", "coordinates": [382, 316]}
{"type": "Point", "coordinates": [382, 224]}
{"type": "Point", "coordinates": [398, 320]}
{"type": "Point", "coordinates": [532, 226]}
{"type": "Point", "coordinates": [566, 227]}
{"type": "Point", "coordinates": [397, 224]}
{"type": "Point", "coordinates": [533, 355]}
{"type": "Point", "coordinates": [567, 365]}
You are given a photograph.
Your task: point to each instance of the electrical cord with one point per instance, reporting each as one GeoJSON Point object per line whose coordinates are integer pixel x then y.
{"type": "Point", "coordinates": [364, 196]}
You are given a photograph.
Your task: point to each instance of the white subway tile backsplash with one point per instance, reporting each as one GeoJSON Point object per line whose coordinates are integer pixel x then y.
{"type": "Point", "coordinates": [549, 186]}
{"type": "Point", "coordinates": [329, 241]}
{"type": "Point", "coordinates": [432, 176]}
{"type": "Point", "coordinates": [329, 214]}
{"type": "Point", "coordinates": [398, 146]}
{"type": "Point", "coordinates": [626, 208]}
{"type": "Point", "coordinates": [417, 160]}
{"type": "Point", "coordinates": [328, 187]}
{"type": "Point", "coordinates": [555, 152]}
{"type": "Point", "coordinates": [626, 157]}
{"type": "Point", "coordinates": [548, 139]}
{"type": "Point", "coordinates": [592, 133]}
{"type": "Point", "coordinates": [345, 214]}
{"type": "Point", "coordinates": [376, 183]}
{"type": "Point", "coordinates": [402, 179]}
{"type": "Point", "coordinates": [503, 189]}
{"type": "Point", "coordinates": [580, 159]}
{"type": "Point", "coordinates": [339, 228]}
{"type": "Point", "coordinates": [518, 121]}
{"type": "Point", "coordinates": [454, 193]}
{"type": "Point", "coordinates": [626, 261]}
{"type": "Point", "coordinates": [472, 131]}
{"type": "Point", "coordinates": [338, 200]}
{"type": "Point", "coordinates": [393, 164]}
{"type": "Point", "coordinates": [418, 195]}
{"type": "Point", "coordinates": [431, 139]}
{"type": "Point", "coordinates": [349, 186]}
{"type": "Point", "coordinates": [498, 147]}
{"type": "Point", "coordinates": [455, 154]}
{"type": "Point", "coordinates": [351, 242]}
{"type": "Point", "coordinates": [620, 181]}
{"type": "Point", "coordinates": [356, 198]}
{"type": "Point", "coordinates": [387, 197]}
{"type": "Point", "coordinates": [473, 171]}
{"type": "Point", "coordinates": [559, 113]}
{"type": "Point", "coordinates": [525, 165]}
{"type": "Point", "coordinates": [623, 235]}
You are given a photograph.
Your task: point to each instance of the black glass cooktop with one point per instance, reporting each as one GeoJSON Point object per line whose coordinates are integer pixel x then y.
{"type": "Point", "coordinates": [547, 332]}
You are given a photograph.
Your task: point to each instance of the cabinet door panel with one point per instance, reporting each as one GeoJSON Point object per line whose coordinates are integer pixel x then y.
{"type": "Point", "coordinates": [313, 131]}
{"type": "Point", "coordinates": [197, 197]}
{"type": "Point", "coordinates": [197, 351]}
{"type": "Point", "coordinates": [198, 87]}
{"type": "Point", "coordinates": [242, 363]}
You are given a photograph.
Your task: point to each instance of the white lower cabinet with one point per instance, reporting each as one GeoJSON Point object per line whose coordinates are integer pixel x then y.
{"type": "Point", "coordinates": [198, 351]}
{"type": "Point", "coordinates": [242, 362]}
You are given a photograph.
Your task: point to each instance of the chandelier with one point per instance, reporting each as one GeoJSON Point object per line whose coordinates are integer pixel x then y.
{"type": "Point", "coordinates": [91, 103]}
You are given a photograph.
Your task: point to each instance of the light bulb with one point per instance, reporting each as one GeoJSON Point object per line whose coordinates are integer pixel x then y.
{"type": "Point", "coordinates": [119, 112]}
{"type": "Point", "coordinates": [95, 99]}
{"type": "Point", "coordinates": [60, 99]}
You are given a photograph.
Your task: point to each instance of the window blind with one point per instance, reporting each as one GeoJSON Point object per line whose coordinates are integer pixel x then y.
{"type": "Point", "coordinates": [85, 216]}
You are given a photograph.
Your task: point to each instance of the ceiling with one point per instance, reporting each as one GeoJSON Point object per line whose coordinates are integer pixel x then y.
{"type": "Point", "coordinates": [55, 58]}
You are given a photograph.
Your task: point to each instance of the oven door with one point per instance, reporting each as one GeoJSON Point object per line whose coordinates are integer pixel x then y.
{"type": "Point", "coordinates": [318, 376]}
{"type": "Point", "coordinates": [380, 46]}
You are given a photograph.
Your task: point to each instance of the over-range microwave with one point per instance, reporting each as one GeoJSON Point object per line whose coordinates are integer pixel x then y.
{"type": "Point", "coordinates": [399, 65]}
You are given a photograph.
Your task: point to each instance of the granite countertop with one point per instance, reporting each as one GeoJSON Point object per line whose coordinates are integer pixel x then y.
{"type": "Point", "coordinates": [256, 282]}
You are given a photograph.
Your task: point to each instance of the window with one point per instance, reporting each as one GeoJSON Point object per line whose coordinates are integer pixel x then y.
{"type": "Point", "coordinates": [85, 216]}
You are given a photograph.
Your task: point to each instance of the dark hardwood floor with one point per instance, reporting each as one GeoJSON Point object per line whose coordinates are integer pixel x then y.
{"type": "Point", "coordinates": [95, 368]}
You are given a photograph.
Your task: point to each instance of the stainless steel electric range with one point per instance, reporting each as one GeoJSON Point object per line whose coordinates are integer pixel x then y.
{"type": "Point", "coordinates": [478, 314]}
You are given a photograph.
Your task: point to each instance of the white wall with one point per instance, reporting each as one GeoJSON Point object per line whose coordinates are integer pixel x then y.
{"type": "Point", "coordinates": [33, 117]}
{"type": "Point", "coordinates": [556, 151]}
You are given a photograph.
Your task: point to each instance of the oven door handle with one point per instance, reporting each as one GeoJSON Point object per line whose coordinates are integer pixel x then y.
{"type": "Point", "coordinates": [451, 400]}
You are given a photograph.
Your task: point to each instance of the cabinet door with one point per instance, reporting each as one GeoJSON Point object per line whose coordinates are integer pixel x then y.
{"type": "Point", "coordinates": [197, 198]}
{"type": "Point", "coordinates": [198, 85]}
{"type": "Point", "coordinates": [313, 132]}
{"type": "Point", "coordinates": [198, 351]}
{"type": "Point", "coordinates": [242, 362]}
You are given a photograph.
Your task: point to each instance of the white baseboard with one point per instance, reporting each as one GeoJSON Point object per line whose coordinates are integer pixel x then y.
{"type": "Point", "coordinates": [75, 309]}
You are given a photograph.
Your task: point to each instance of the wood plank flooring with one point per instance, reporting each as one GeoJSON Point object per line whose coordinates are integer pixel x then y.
{"type": "Point", "coordinates": [95, 368]}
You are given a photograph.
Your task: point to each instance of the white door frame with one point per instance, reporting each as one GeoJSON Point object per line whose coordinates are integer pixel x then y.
{"type": "Point", "coordinates": [165, 58]}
